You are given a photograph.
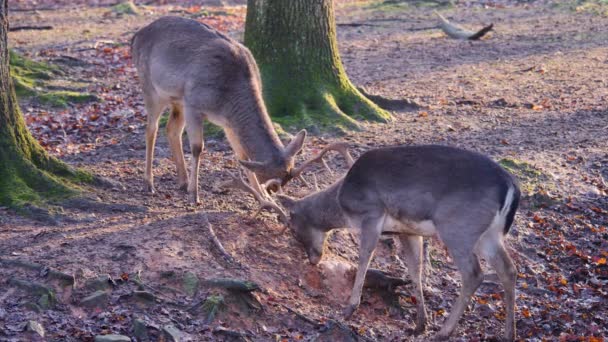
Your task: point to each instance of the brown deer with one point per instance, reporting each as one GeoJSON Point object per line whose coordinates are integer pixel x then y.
{"type": "Point", "coordinates": [465, 198]}
{"type": "Point", "coordinates": [203, 74]}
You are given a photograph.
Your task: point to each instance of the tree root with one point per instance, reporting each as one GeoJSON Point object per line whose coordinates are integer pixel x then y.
{"type": "Point", "coordinates": [204, 220]}
{"type": "Point", "coordinates": [391, 104]}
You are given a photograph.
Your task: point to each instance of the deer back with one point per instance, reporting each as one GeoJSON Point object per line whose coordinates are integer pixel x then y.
{"type": "Point", "coordinates": [427, 184]}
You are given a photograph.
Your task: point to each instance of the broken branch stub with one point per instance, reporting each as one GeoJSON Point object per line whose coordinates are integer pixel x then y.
{"type": "Point", "coordinates": [458, 32]}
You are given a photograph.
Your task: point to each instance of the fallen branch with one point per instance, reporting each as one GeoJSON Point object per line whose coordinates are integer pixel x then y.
{"type": "Point", "coordinates": [390, 104]}
{"type": "Point", "coordinates": [28, 27]}
{"type": "Point", "coordinates": [328, 326]}
{"type": "Point", "coordinates": [459, 32]}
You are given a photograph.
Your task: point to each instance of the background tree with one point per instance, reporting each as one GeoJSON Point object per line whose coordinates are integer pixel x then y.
{"type": "Point", "coordinates": [29, 177]}
{"type": "Point", "coordinates": [295, 45]}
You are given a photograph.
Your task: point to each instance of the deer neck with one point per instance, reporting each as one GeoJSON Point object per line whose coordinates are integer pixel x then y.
{"type": "Point", "coordinates": [324, 208]}
{"type": "Point", "coordinates": [250, 122]}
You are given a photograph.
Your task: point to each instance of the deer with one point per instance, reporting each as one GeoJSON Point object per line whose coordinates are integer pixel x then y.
{"type": "Point", "coordinates": [203, 74]}
{"type": "Point", "coordinates": [463, 197]}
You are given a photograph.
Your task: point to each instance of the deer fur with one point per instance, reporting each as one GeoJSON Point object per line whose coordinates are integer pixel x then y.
{"type": "Point", "coordinates": [203, 74]}
{"type": "Point", "coordinates": [465, 198]}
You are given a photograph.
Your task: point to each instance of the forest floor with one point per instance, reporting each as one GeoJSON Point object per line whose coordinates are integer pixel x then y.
{"type": "Point", "coordinates": [532, 95]}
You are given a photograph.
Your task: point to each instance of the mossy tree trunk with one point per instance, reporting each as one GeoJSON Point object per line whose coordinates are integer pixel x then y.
{"type": "Point", "coordinates": [28, 175]}
{"type": "Point", "coordinates": [295, 45]}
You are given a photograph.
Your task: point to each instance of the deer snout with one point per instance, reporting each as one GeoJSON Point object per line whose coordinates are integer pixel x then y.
{"type": "Point", "coordinates": [314, 259]}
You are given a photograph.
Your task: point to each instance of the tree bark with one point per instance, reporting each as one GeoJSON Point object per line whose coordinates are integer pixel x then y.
{"type": "Point", "coordinates": [29, 177]}
{"type": "Point", "coordinates": [295, 45]}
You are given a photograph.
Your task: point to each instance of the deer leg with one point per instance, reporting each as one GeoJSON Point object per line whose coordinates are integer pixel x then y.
{"type": "Point", "coordinates": [175, 128]}
{"type": "Point", "coordinates": [472, 276]}
{"type": "Point", "coordinates": [194, 128]}
{"type": "Point", "coordinates": [507, 273]}
{"type": "Point", "coordinates": [154, 109]}
{"type": "Point", "coordinates": [412, 252]}
{"type": "Point", "coordinates": [370, 229]}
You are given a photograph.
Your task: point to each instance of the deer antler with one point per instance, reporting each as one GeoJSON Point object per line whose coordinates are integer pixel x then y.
{"type": "Point", "coordinates": [340, 147]}
{"type": "Point", "coordinates": [240, 183]}
{"type": "Point", "coordinates": [273, 184]}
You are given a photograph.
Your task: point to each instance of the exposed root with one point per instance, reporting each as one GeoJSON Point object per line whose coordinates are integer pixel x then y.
{"type": "Point", "coordinates": [391, 104]}
{"type": "Point", "coordinates": [204, 220]}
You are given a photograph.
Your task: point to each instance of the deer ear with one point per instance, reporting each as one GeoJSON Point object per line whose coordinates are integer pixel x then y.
{"type": "Point", "coordinates": [286, 201]}
{"type": "Point", "coordinates": [254, 166]}
{"type": "Point", "coordinates": [295, 145]}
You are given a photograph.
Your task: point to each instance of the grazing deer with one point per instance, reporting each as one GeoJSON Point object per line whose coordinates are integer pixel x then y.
{"type": "Point", "coordinates": [202, 74]}
{"type": "Point", "coordinates": [465, 198]}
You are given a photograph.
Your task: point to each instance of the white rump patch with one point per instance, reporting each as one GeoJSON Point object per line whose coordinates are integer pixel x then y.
{"type": "Point", "coordinates": [493, 236]}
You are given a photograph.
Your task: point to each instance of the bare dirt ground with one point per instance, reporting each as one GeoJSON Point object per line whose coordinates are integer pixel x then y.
{"type": "Point", "coordinates": [533, 94]}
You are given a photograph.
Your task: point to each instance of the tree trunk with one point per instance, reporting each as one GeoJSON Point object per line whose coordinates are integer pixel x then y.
{"type": "Point", "coordinates": [29, 177]}
{"type": "Point", "coordinates": [295, 45]}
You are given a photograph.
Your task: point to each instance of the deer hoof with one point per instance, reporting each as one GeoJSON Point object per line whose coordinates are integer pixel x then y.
{"type": "Point", "coordinates": [149, 188]}
{"type": "Point", "coordinates": [440, 337]}
{"type": "Point", "coordinates": [419, 329]}
{"type": "Point", "coordinates": [194, 199]}
{"type": "Point", "coordinates": [184, 187]}
{"type": "Point", "coordinates": [348, 312]}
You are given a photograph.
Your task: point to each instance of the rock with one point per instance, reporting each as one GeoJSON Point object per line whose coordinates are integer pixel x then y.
{"type": "Point", "coordinates": [112, 338]}
{"type": "Point", "coordinates": [144, 297]}
{"type": "Point", "coordinates": [35, 327]}
{"type": "Point", "coordinates": [63, 278]}
{"type": "Point", "coordinates": [172, 334]}
{"type": "Point", "coordinates": [190, 283]}
{"type": "Point", "coordinates": [33, 287]}
{"type": "Point", "coordinates": [99, 284]}
{"type": "Point", "coordinates": [45, 302]}
{"type": "Point", "coordinates": [140, 330]}
{"type": "Point", "coordinates": [99, 299]}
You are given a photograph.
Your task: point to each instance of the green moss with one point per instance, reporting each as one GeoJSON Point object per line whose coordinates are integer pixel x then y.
{"type": "Point", "coordinates": [127, 7]}
{"type": "Point", "coordinates": [212, 306]}
{"type": "Point", "coordinates": [63, 98]}
{"type": "Point", "coordinates": [535, 184]}
{"type": "Point", "coordinates": [28, 65]}
{"type": "Point", "coordinates": [30, 79]}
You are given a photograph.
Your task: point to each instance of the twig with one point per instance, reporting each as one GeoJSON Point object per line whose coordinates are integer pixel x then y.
{"type": "Point", "coordinates": [218, 244]}
{"type": "Point", "coordinates": [27, 27]}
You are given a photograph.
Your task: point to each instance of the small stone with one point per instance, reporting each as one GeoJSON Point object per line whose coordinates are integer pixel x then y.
{"type": "Point", "coordinates": [112, 338]}
{"type": "Point", "coordinates": [140, 330]}
{"type": "Point", "coordinates": [171, 333]}
{"type": "Point", "coordinates": [99, 299]}
{"type": "Point", "coordinates": [191, 283]}
{"type": "Point", "coordinates": [35, 327]}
